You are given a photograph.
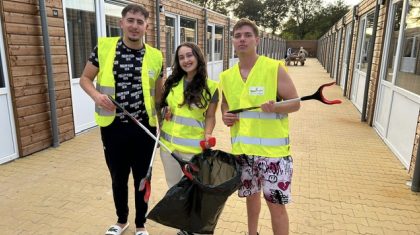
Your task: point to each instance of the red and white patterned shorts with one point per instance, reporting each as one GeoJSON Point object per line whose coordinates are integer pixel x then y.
{"type": "Point", "coordinates": [274, 175]}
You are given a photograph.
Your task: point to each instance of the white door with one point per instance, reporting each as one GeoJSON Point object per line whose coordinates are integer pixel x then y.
{"type": "Point", "coordinates": [398, 101]}
{"type": "Point", "coordinates": [8, 144]}
{"type": "Point", "coordinates": [344, 71]}
{"type": "Point", "coordinates": [360, 68]}
{"type": "Point", "coordinates": [214, 51]}
{"type": "Point", "coordinates": [81, 30]}
{"type": "Point", "coordinates": [86, 20]}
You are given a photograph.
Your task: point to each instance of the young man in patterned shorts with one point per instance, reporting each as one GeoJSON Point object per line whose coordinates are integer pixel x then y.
{"type": "Point", "coordinates": [260, 137]}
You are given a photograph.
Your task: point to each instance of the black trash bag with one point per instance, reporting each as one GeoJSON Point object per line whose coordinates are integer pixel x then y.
{"type": "Point", "coordinates": [195, 206]}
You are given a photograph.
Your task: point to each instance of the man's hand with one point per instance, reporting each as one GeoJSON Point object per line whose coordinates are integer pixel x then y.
{"type": "Point", "coordinates": [269, 107]}
{"type": "Point", "coordinates": [229, 118]}
{"type": "Point", "coordinates": [103, 102]}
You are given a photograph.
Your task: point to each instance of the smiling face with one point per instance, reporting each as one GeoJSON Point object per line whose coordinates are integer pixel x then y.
{"type": "Point", "coordinates": [134, 25]}
{"type": "Point", "coordinates": [187, 60]}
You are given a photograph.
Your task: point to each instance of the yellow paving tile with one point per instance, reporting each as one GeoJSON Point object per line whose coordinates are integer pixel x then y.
{"type": "Point", "coordinates": [346, 180]}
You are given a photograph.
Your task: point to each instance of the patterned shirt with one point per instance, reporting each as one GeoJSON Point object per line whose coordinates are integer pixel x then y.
{"type": "Point", "coordinates": [128, 83]}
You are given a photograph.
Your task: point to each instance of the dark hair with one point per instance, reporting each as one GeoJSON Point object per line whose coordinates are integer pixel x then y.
{"type": "Point", "coordinates": [134, 8]}
{"type": "Point", "coordinates": [193, 94]}
{"type": "Point", "coordinates": [246, 22]}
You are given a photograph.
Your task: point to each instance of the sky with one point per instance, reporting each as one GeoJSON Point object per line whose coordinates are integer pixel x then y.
{"type": "Point", "coordinates": [347, 2]}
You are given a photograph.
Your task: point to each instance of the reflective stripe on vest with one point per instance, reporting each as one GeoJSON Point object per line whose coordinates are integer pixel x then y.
{"type": "Point", "coordinates": [260, 141]}
{"type": "Point", "coordinates": [152, 64]}
{"type": "Point", "coordinates": [261, 115]}
{"type": "Point", "coordinates": [180, 141]}
{"type": "Point", "coordinates": [187, 121]}
{"type": "Point", "coordinates": [107, 91]}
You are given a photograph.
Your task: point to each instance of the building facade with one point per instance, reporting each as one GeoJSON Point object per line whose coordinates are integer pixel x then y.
{"type": "Point", "coordinates": [34, 78]}
{"type": "Point", "coordinates": [373, 55]}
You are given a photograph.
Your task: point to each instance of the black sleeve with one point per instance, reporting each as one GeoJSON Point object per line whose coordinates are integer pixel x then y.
{"type": "Point", "coordinates": [215, 97]}
{"type": "Point", "coordinates": [93, 58]}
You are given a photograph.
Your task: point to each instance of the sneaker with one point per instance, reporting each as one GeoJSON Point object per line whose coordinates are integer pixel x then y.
{"type": "Point", "coordinates": [183, 232]}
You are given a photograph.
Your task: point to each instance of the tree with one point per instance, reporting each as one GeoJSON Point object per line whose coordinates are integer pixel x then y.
{"type": "Point", "coordinates": [327, 17]}
{"type": "Point", "coordinates": [251, 9]}
{"type": "Point", "coordinates": [312, 24]}
{"type": "Point", "coordinates": [215, 5]}
{"type": "Point", "coordinates": [273, 13]}
{"type": "Point", "coordinates": [290, 30]}
{"type": "Point", "coordinates": [303, 12]}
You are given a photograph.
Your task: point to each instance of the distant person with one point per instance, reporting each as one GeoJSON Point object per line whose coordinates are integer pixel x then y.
{"type": "Point", "coordinates": [303, 52]}
{"type": "Point", "coordinates": [288, 52]}
{"type": "Point", "coordinates": [119, 64]}
{"type": "Point", "coordinates": [260, 138]}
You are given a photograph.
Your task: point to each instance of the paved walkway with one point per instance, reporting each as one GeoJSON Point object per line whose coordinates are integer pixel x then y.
{"type": "Point", "coordinates": [346, 180]}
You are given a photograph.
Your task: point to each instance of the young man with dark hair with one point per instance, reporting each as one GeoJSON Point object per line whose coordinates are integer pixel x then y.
{"type": "Point", "coordinates": [130, 71]}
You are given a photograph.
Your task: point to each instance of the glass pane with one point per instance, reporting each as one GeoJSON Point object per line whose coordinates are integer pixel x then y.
{"type": "Point", "coordinates": [2, 84]}
{"type": "Point", "coordinates": [170, 40]}
{"type": "Point", "coordinates": [408, 76]}
{"type": "Point", "coordinates": [209, 44]}
{"type": "Point", "coordinates": [366, 42]}
{"type": "Point", "coordinates": [392, 49]}
{"type": "Point", "coordinates": [218, 43]}
{"type": "Point", "coordinates": [112, 17]}
{"type": "Point", "coordinates": [188, 28]}
{"type": "Point", "coordinates": [81, 25]}
{"type": "Point", "coordinates": [347, 42]}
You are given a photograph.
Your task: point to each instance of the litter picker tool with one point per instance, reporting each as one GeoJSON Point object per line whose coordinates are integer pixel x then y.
{"type": "Point", "coordinates": [318, 95]}
{"type": "Point", "coordinates": [145, 183]}
{"type": "Point", "coordinates": [186, 166]}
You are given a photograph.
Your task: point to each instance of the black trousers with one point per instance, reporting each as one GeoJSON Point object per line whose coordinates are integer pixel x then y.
{"type": "Point", "coordinates": [127, 148]}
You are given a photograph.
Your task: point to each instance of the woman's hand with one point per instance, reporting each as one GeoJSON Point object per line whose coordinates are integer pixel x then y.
{"type": "Point", "coordinates": [167, 114]}
{"type": "Point", "coordinates": [208, 142]}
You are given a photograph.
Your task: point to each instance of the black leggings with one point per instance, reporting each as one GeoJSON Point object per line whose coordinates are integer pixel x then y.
{"type": "Point", "coordinates": [127, 147]}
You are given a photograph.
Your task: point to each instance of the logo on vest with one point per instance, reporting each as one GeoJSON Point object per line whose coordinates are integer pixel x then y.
{"type": "Point", "coordinates": [151, 73]}
{"type": "Point", "coordinates": [256, 90]}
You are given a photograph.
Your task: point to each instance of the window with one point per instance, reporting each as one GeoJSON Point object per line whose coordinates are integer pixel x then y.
{"type": "Point", "coordinates": [218, 43]}
{"type": "Point", "coordinates": [366, 47]}
{"type": "Point", "coordinates": [408, 76]}
{"type": "Point", "coordinates": [409, 47]}
{"type": "Point", "coordinates": [178, 30]}
{"type": "Point", "coordinates": [81, 25]}
{"type": "Point", "coordinates": [112, 18]}
{"type": "Point", "coordinates": [209, 48]}
{"type": "Point", "coordinates": [170, 40]}
{"type": "Point", "coordinates": [188, 30]}
{"type": "Point", "coordinates": [392, 50]}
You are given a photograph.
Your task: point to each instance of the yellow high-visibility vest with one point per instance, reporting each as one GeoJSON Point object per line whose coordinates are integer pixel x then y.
{"type": "Point", "coordinates": [256, 133]}
{"type": "Point", "coordinates": [185, 130]}
{"type": "Point", "coordinates": [151, 67]}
